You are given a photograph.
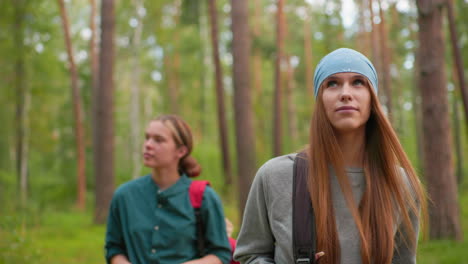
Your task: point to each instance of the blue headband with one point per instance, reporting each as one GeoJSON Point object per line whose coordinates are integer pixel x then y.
{"type": "Point", "coordinates": [344, 60]}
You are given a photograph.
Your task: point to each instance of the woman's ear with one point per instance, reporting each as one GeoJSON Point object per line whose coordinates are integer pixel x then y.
{"type": "Point", "coordinates": [182, 151]}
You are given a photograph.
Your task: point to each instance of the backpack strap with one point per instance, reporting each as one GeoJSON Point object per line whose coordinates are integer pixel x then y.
{"type": "Point", "coordinates": [304, 233]}
{"type": "Point", "coordinates": [196, 190]}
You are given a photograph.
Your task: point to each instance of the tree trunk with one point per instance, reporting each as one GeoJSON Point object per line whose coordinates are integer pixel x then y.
{"type": "Point", "coordinates": [291, 106]}
{"type": "Point", "coordinates": [444, 216]}
{"type": "Point", "coordinates": [416, 101]}
{"type": "Point", "coordinates": [386, 60]}
{"type": "Point", "coordinates": [458, 141]}
{"type": "Point", "coordinates": [257, 57]}
{"type": "Point", "coordinates": [171, 63]}
{"type": "Point", "coordinates": [457, 56]}
{"type": "Point", "coordinates": [21, 104]}
{"type": "Point", "coordinates": [277, 102]}
{"type": "Point", "coordinates": [363, 40]}
{"type": "Point", "coordinates": [77, 112]}
{"type": "Point", "coordinates": [94, 53]}
{"type": "Point", "coordinates": [222, 123]}
{"type": "Point", "coordinates": [374, 39]}
{"type": "Point", "coordinates": [135, 95]}
{"type": "Point", "coordinates": [245, 137]}
{"type": "Point", "coordinates": [308, 55]}
{"type": "Point", "coordinates": [206, 78]}
{"type": "Point", "coordinates": [104, 159]}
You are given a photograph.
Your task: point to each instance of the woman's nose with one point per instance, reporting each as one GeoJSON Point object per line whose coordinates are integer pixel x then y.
{"type": "Point", "coordinates": [147, 143]}
{"type": "Point", "coordinates": [346, 92]}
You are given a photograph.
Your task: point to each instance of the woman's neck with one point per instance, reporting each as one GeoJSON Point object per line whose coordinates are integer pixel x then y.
{"type": "Point", "coordinates": [352, 147]}
{"type": "Point", "coordinates": [165, 177]}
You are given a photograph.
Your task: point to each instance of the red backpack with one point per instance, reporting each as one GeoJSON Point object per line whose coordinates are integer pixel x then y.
{"type": "Point", "coordinates": [196, 190]}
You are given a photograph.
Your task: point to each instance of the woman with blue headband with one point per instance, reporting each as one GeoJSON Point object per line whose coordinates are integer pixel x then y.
{"type": "Point", "coordinates": [365, 194]}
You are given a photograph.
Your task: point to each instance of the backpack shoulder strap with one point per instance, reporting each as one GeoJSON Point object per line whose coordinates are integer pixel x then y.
{"type": "Point", "coordinates": [304, 233]}
{"type": "Point", "coordinates": [196, 191]}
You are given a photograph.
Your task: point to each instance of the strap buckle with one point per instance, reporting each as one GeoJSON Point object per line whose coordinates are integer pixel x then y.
{"type": "Point", "coordinates": [303, 261]}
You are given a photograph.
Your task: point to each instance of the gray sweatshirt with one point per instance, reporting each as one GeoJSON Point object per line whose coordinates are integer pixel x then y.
{"type": "Point", "coordinates": [266, 232]}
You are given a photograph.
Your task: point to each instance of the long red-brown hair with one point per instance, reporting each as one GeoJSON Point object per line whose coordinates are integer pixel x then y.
{"type": "Point", "coordinates": [389, 197]}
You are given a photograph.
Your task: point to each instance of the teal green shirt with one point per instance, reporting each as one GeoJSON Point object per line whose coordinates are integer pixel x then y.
{"type": "Point", "coordinates": [153, 226]}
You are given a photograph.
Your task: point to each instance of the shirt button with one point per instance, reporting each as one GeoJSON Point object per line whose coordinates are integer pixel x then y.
{"type": "Point", "coordinates": [156, 228]}
{"type": "Point", "coordinates": [153, 250]}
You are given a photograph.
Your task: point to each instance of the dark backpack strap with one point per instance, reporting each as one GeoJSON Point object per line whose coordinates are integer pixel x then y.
{"type": "Point", "coordinates": [196, 190]}
{"type": "Point", "coordinates": [304, 235]}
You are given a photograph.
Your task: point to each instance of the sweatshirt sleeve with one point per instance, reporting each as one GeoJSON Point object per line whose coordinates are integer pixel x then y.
{"type": "Point", "coordinates": [255, 242]}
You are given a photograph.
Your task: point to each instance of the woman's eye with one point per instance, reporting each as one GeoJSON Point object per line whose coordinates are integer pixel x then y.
{"type": "Point", "coordinates": [358, 82]}
{"type": "Point", "coordinates": [332, 83]}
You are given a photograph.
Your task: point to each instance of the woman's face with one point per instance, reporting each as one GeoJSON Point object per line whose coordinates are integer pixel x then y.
{"type": "Point", "coordinates": [347, 101]}
{"type": "Point", "coordinates": [160, 149]}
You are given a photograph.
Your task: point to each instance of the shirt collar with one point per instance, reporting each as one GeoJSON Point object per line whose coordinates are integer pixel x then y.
{"type": "Point", "coordinates": [180, 186]}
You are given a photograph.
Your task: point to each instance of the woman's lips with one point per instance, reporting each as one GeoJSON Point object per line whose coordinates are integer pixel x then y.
{"type": "Point", "coordinates": [147, 155]}
{"type": "Point", "coordinates": [346, 108]}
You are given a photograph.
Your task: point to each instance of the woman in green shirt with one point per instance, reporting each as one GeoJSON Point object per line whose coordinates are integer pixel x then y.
{"type": "Point", "coordinates": [151, 219]}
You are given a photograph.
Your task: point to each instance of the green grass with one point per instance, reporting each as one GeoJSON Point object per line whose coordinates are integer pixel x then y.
{"type": "Point", "coordinates": [54, 237]}
{"type": "Point", "coordinates": [38, 236]}
{"type": "Point", "coordinates": [448, 252]}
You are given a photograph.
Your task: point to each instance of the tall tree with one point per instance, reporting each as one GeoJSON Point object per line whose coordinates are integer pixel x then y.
{"type": "Point", "coordinates": [458, 140]}
{"type": "Point", "coordinates": [416, 102]}
{"type": "Point", "coordinates": [385, 55]}
{"type": "Point", "coordinates": [134, 118]}
{"type": "Point", "coordinates": [257, 57]}
{"type": "Point", "coordinates": [374, 37]}
{"type": "Point", "coordinates": [222, 123]}
{"type": "Point", "coordinates": [104, 159]}
{"type": "Point", "coordinates": [363, 40]}
{"type": "Point", "coordinates": [245, 137]}
{"type": "Point", "coordinates": [444, 217]}
{"type": "Point", "coordinates": [291, 106]}
{"type": "Point", "coordinates": [457, 56]}
{"type": "Point", "coordinates": [77, 112]}
{"type": "Point", "coordinates": [277, 101]}
{"type": "Point", "coordinates": [172, 64]}
{"type": "Point", "coordinates": [22, 95]}
{"type": "Point", "coordinates": [308, 54]}
{"type": "Point", "coordinates": [94, 60]}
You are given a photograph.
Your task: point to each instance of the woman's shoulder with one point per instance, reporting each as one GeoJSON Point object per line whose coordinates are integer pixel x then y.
{"type": "Point", "coordinates": [132, 185]}
{"type": "Point", "coordinates": [277, 171]}
{"type": "Point", "coordinates": [278, 164]}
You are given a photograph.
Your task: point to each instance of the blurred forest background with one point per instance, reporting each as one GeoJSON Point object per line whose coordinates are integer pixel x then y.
{"type": "Point", "coordinates": [81, 79]}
